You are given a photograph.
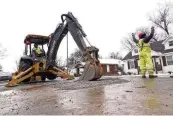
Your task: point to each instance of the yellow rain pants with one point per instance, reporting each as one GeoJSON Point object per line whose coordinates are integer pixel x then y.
{"type": "Point", "coordinates": [145, 58]}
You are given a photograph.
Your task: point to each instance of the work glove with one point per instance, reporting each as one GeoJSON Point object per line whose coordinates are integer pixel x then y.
{"type": "Point", "coordinates": [152, 28]}
{"type": "Point", "coordinates": [133, 34]}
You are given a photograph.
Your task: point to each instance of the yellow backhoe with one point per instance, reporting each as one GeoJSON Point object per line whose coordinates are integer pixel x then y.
{"type": "Point", "coordinates": [38, 68]}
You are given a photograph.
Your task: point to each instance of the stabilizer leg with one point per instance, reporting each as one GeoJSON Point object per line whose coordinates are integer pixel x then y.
{"type": "Point", "coordinates": [16, 79]}
{"type": "Point", "coordinates": [61, 73]}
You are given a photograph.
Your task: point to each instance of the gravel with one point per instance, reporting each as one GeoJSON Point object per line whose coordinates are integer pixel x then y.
{"type": "Point", "coordinates": [74, 84]}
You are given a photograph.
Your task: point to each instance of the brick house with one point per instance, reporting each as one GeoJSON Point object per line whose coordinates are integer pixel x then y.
{"type": "Point", "coordinates": [111, 66]}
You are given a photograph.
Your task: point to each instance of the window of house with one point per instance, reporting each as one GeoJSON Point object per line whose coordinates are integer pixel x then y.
{"type": "Point", "coordinates": [132, 65]}
{"type": "Point", "coordinates": [169, 60]}
{"type": "Point", "coordinates": [108, 69]}
{"type": "Point", "coordinates": [170, 43]}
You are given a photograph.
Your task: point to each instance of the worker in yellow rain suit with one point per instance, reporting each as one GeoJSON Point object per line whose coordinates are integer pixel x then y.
{"type": "Point", "coordinates": [145, 57]}
{"type": "Point", "coordinates": [37, 51]}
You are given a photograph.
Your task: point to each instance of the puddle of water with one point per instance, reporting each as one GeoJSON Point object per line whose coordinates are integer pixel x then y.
{"type": "Point", "coordinates": [150, 83]}
{"type": "Point", "coordinates": [152, 102]}
{"type": "Point", "coordinates": [89, 101]}
{"type": "Point", "coordinates": [152, 98]}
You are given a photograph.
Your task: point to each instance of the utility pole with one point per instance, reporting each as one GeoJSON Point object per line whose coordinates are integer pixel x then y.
{"type": "Point", "coordinates": [67, 52]}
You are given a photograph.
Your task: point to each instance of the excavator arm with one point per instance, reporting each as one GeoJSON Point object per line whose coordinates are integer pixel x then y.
{"type": "Point", "coordinates": [92, 68]}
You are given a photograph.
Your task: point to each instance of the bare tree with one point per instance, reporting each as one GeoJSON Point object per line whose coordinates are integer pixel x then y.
{"type": "Point", "coordinates": [115, 55]}
{"type": "Point", "coordinates": [2, 55]}
{"type": "Point", "coordinates": [78, 55]}
{"type": "Point", "coordinates": [75, 57]}
{"type": "Point", "coordinates": [71, 60]}
{"type": "Point", "coordinates": [100, 56]}
{"type": "Point", "coordinates": [147, 30]}
{"type": "Point", "coordinates": [1, 68]}
{"type": "Point", "coordinates": [128, 43]}
{"type": "Point", "coordinates": [163, 16]}
{"type": "Point", "coordinates": [59, 61]}
{"type": "Point", "coordinates": [2, 52]}
{"type": "Point", "coordinates": [16, 65]}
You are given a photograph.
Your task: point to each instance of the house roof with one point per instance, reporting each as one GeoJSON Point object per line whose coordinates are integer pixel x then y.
{"type": "Point", "coordinates": [129, 56]}
{"type": "Point", "coordinates": [111, 61]}
{"type": "Point", "coordinates": [155, 46]}
{"type": "Point", "coordinates": [168, 51]}
{"type": "Point", "coordinates": [158, 46]}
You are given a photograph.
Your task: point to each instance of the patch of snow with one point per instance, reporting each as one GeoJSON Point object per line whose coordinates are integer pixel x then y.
{"type": "Point", "coordinates": [111, 61]}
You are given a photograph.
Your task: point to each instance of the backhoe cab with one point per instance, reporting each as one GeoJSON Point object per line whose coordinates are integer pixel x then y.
{"type": "Point", "coordinates": [32, 67]}
{"type": "Point", "coordinates": [35, 40]}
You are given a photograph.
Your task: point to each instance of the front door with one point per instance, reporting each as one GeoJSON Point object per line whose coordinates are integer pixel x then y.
{"type": "Point", "coordinates": [158, 65]}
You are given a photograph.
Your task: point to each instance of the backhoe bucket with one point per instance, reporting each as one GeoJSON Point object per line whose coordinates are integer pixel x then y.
{"type": "Point", "coordinates": [91, 72]}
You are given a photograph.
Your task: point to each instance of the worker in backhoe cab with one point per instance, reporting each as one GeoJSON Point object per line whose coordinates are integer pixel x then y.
{"type": "Point", "coordinates": [37, 51]}
{"type": "Point", "coordinates": [145, 58]}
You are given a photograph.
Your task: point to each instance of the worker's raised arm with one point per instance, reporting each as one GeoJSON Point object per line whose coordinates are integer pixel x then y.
{"type": "Point", "coordinates": [148, 38]}
{"type": "Point", "coordinates": [134, 39]}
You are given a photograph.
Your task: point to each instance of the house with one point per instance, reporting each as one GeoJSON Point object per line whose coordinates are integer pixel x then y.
{"type": "Point", "coordinates": [111, 66]}
{"type": "Point", "coordinates": [162, 57]}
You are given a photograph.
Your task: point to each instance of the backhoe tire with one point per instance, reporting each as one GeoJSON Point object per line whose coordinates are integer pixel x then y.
{"type": "Point", "coordinates": [51, 77]}
{"type": "Point", "coordinates": [43, 78]}
{"type": "Point", "coordinates": [24, 66]}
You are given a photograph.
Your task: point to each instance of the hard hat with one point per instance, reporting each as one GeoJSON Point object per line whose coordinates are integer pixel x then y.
{"type": "Point", "coordinates": [141, 35]}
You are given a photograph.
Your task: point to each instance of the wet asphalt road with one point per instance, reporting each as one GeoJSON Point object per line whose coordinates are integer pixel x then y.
{"type": "Point", "coordinates": [110, 95]}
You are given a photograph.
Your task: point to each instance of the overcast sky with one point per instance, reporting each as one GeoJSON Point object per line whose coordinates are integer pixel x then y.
{"type": "Point", "coordinates": [105, 22]}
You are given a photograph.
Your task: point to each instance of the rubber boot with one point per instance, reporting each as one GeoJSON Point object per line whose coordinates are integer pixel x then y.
{"type": "Point", "coordinates": [153, 76]}
{"type": "Point", "coordinates": [144, 76]}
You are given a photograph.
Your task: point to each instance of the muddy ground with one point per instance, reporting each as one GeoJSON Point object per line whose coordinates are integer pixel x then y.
{"type": "Point", "coordinates": [110, 95]}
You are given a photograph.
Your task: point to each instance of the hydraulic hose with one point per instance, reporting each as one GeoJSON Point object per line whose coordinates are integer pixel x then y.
{"type": "Point", "coordinates": [65, 15]}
